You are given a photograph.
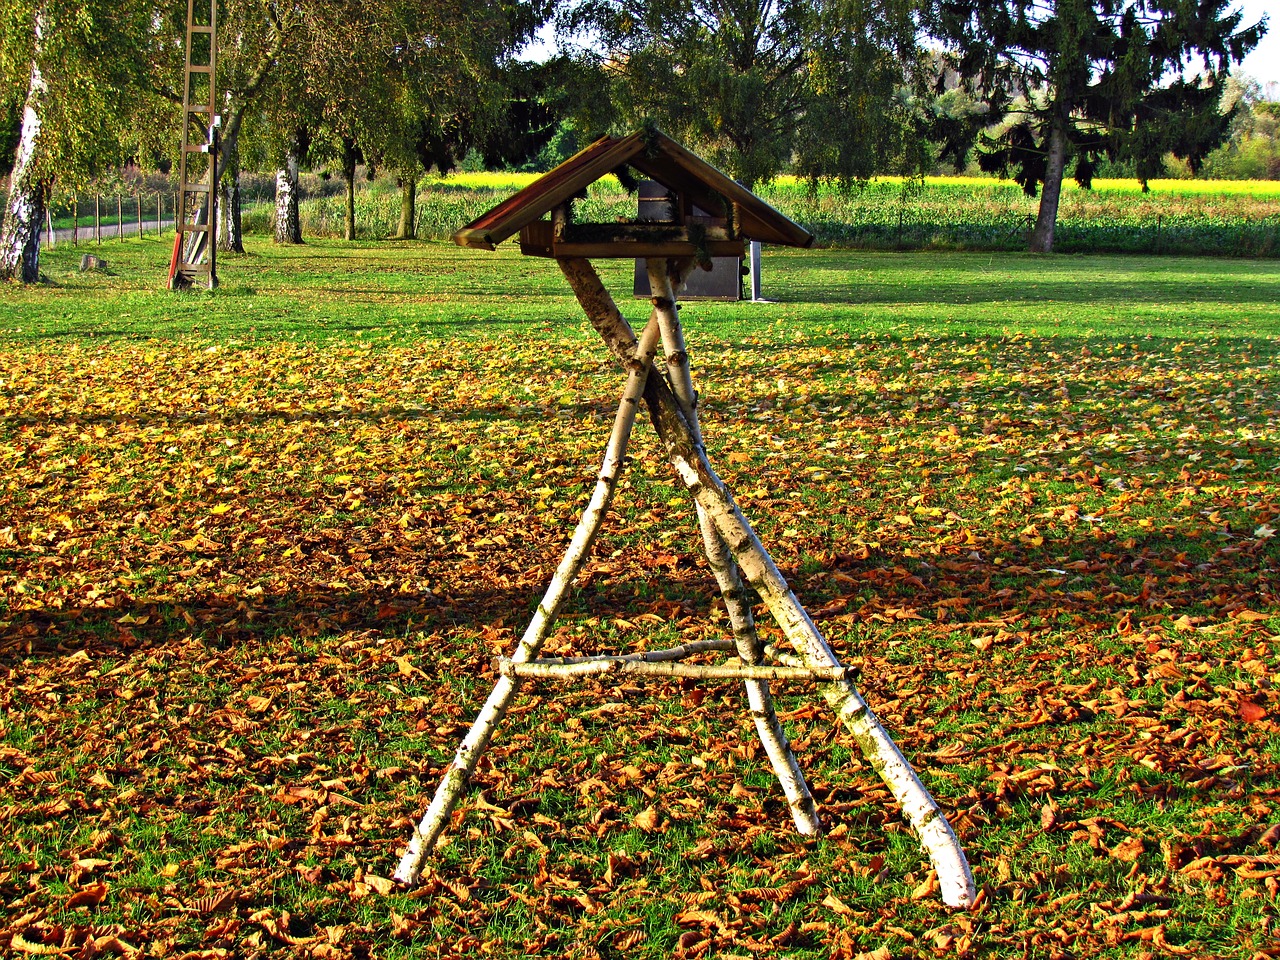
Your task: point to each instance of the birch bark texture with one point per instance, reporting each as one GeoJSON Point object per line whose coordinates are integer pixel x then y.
{"type": "Point", "coordinates": [664, 279]}
{"type": "Point", "coordinates": [288, 221]}
{"type": "Point", "coordinates": [687, 456]}
{"type": "Point", "coordinates": [639, 360]}
{"type": "Point", "coordinates": [28, 192]}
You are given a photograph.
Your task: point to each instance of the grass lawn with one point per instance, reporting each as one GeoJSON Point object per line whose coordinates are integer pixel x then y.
{"type": "Point", "coordinates": [258, 549]}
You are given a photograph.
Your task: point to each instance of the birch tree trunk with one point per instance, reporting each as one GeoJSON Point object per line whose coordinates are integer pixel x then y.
{"type": "Point", "coordinates": [230, 234]}
{"type": "Point", "coordinates": [288, 222]}
{"type": "Point", "coordinates": [689, 460]}
{"type": "Point", "coordinates": [495, 707]}
{"type": "Point", "coordinates": [28, 189]}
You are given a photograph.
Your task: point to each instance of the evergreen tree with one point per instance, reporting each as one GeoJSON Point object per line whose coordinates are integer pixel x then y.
{"type": "Point", "coordinates": [1085, 79]}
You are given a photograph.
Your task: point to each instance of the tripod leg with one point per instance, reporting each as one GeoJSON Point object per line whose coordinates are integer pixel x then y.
{"type": "Point", "coordinates": [495, 707]}
{"type": "Point", "coordinates": [664, 278]}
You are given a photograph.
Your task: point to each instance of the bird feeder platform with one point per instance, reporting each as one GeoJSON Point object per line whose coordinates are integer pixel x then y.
{"type": "Point", "coordinates": [542, 215]}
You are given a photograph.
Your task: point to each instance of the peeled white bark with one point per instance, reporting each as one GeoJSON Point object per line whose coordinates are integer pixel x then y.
{"type": "Point", "coordinates": [28, 192]}
{"type": "Point", "coordinates": [752, 673]}
{"type": "Point", "coordinates": [495, 707]}
{"type": "Point", "coordinates": [692, 467]}
{"type": "Point", "coordinates": [288, 222]}
{"type": "Point", "coordinates": [663, 282]}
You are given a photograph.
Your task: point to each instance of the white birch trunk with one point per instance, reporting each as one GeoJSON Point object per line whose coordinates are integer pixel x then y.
{"type": "Point", "coordinates": [288, 223]}
{"type": "Point", "coordinates": [495, 708]}
{"type": "Point", "coordinates": [687, 456]}
{"type": "Point", "coordinates": [28, 188]}
{"type": "Point", "coordinates": [804, 812]}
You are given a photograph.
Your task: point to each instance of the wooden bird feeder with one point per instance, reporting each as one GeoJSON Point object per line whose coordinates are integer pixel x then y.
{"type": "Point", "coordinates": [542, 215]}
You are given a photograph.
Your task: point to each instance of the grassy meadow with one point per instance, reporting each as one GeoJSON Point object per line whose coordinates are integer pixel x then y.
{"type": "Point", "coordinates": [258, 548]}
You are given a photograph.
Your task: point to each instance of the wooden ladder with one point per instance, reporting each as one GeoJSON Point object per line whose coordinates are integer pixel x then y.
{"type": "Point", "coordinates": [195, 247]}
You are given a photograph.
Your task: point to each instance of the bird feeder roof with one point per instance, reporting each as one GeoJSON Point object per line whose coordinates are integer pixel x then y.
{"type": "Point", "coordinates": [657, 157]}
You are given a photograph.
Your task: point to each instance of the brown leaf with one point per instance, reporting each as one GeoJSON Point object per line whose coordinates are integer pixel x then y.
{"type": "Point", "coordinates": [648, 820]}
{"type": "Point", "coordinates": [1251, 712]}
{"type": "Point", "coordinates": [1129, 849]}
{"type": "Point", "coordinates": [380, 884]}
{"type": "Point", "coordinates": [89, 896]}
{"type": "Point", "coordinates": [835, 904]}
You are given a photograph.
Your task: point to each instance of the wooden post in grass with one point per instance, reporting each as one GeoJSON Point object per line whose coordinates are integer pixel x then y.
{"type": "Point", "coordinates": [120, 217]}
{"type": "Point", "coordinates": [140, 236]}
{"type": "Point", "coordinates": [735, 553]}
{"type": "Point", "coordinates": [75, 220]}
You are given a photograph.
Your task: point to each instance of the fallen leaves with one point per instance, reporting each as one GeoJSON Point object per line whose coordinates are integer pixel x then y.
{"type": "Point", "coordinates": [255, 620]}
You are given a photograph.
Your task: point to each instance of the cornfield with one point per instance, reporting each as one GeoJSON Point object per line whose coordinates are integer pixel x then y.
{"type": "Point", "coordinates": [1227, 218]}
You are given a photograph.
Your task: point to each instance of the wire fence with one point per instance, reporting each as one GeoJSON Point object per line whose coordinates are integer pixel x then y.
{"type": "Point", "coordinates": [96, 218]}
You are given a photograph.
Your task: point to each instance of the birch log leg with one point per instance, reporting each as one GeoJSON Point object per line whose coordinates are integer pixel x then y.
{"type": "Point", "coordinates": [664, 279]}
{"type": "Point", "coordinates": [920, 809]}
{"type": "Point", "coordinates": [495, 708]}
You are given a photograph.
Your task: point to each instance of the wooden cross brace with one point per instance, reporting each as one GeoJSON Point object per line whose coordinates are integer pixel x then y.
{"type": "Point", "coordinates": [734, 551]}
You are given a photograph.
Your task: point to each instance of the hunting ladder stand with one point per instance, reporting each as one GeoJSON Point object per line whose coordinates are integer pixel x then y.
{"type": "Point", "coordinates": [195, 246]}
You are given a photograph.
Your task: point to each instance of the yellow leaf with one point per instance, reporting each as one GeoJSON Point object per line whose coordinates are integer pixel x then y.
{"type": "Point", "coordinates": [220, 509]}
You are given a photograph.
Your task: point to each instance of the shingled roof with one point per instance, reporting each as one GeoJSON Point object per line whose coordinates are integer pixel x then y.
{"type": "Point", "coordinates": [657, 157]}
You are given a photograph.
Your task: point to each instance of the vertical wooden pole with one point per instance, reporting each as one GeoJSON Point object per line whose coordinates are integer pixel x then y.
{"type": "Point", "coordinates": [97, 218]}
{"type": "Point", "coordinates": [48, 219]}
{"type": "Point", "coordinates": [120, 217]}
{"type": "Point", "coordinates": [139, 213]}
{"type": "Point", "coordinates": [75, 219]}
{"type": "Point", "coordinates": [664, 279]}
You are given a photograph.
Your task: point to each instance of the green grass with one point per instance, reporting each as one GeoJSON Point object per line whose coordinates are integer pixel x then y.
{"type": "Point", "coordinates": [258, 548]}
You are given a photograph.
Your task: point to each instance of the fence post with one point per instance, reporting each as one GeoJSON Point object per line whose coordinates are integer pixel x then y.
{"type": "Point", "coordinates": [48, 219]}
{"type": "Point", "coordinates": [159, 214]}
{"type": "Point", "coordinates": [120, 217]}
{"type": "Point", "coordinates": [139, 214]}
{"type": "Point", "coordinates": [75, 219]}
{"type": "Point", "coordinates": [97, 218]}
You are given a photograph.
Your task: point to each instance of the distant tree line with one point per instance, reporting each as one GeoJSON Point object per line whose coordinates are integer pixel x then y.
{"type": "Point", "coordinates": [836, 90]}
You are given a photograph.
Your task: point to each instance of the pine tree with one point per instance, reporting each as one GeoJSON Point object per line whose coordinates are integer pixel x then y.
{"type": "Point", "coordinates": [1080, 80]}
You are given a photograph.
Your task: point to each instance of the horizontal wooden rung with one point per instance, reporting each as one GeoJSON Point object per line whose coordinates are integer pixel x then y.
{"type": "Point", "coordinates": [550, 670]}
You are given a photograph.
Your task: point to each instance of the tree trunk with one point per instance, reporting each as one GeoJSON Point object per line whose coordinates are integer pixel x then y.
{"type": "Point", "coordinates": [408, 207]}
{"type": "Point", "coordinates": [230, 232]}
{"type": "Point", "coordinates": [28, 190]}
{"type": "Point", "coordinates": [349, 154]}
{"type": "Point", "coordinates": [1055, 164]}
{"type": "Point", "coordinates": [288, 223]}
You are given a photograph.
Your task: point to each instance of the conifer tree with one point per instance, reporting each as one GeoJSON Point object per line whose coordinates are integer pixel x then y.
{"type": "Point", "coordinates": [1084, 79]}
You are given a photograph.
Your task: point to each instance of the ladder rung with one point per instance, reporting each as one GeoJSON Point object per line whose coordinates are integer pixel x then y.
{"type": "Point", "coordinates": [193, 268]}
{"type": "Point", "coordinates": [195, 188]}
{"type": "Point", "coordinates": [198, 68]}
{"type": "Point", "coordinates": [197, 148]}
{"type": "Point", "coordinates": [198, 109]}
{"type": "Point", "coordinates": [199, 29]}
{"type": "Point", "coordinates": [196, 228]}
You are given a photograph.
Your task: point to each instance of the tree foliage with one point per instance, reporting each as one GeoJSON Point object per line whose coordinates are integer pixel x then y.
{"type": "Point", "coordinates": [754, 83]}
{"type": "Point", "coordinates": [1086, 79]}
